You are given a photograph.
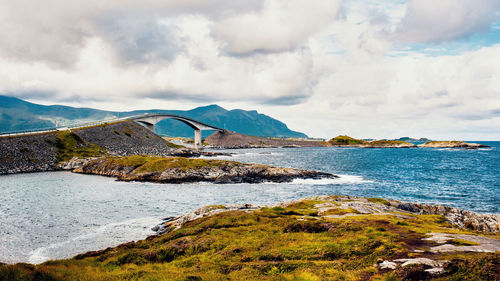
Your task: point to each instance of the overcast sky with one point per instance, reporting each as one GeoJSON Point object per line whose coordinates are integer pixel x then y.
{"type": "Point", "coordinates": [378, 69]}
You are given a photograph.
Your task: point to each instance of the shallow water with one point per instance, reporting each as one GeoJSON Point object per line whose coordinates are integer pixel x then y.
{"type": "Point", "coordinates": [60, 214]}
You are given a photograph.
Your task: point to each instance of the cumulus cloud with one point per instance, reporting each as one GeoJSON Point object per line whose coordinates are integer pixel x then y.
{"type": "Point", "coordinates": [197, 73]}
{"type": "Point", "coordinates": [445, 20]}
{"type": "Point", "coordinates": [55, 31]}
{"type": "Point", "coordinates": [328, 63]}
{"type": "Point", "coordinates": [408, 95]}
{"type": "Point", "coordinates": [280, 25]}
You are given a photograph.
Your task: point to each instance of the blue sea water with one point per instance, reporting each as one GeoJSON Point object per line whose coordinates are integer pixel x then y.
{"type": "Point", "coordinates": [59, 214]}
{"type": "Point", "coordinates": [468, 179]}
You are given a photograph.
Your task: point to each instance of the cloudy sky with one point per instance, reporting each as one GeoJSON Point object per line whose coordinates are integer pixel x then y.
{"type": "Point", "coordinates": [364, 68]}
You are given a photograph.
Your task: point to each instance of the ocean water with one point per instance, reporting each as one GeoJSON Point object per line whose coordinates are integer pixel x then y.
{"type": "Point", "coordinates": [60, 214]}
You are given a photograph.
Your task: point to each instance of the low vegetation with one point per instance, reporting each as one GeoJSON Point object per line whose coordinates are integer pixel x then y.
{"type": "Point", "coordinates": [150, 164]}
{"type": "Point", "coordinates": [444, 142]}
{"type": "Point", "coordinates": [388, 143]}
{"type": "Point", "coordinates": [171, 144]}
{"type": "Point", "coordinates": [348, 141]}
{"type": "Point", "coordinates": [280, 243]}
{"type": "Point", "coordinates": [379, 200]}
{"type": "Point", "coordinates": [345, 140]}
{"type": "Point", "coordinates": [453, 144]}
{"type": "Point", "coordinates": [70, 145]}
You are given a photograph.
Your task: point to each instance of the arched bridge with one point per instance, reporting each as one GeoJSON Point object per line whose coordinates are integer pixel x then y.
{"type": "Point", "coordinates": [149, 120]}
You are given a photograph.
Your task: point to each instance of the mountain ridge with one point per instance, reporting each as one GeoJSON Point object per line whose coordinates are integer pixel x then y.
{"type": "Point", "coordinates": [17, 114]}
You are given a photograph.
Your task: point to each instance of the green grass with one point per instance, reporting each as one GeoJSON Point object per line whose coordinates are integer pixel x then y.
{"type": "Point", "coordinates": [443, 142]}
{"type": "Point", "coordinates": [70, 145]}
{"type": "Point", "coordinates": [461, 242]}
{"type": "Point", "coordinates": [379, 200]}
{"type": "Point", "coordinates": [151, 164]}
{"type": "Point", "coordinates": [346, 140]}
{"type": "Point", "coordinates": [277, 243]}
{"type": "Point", "coordinates": [173, 145]}
{"type": "Point", "coordinates": [388, 143]}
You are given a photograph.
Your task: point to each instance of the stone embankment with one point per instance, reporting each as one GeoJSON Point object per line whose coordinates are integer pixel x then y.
{"type": "Point", "coordinates": [41, 152]}
{"type": "Point", "coordinates": [28, 153]}
{"type": "Point", "coordinates": [181, 170]}
{"type": "Point", "coordinates": [230, 140]}
{"type": "Point", "coordinates": [125, 138]}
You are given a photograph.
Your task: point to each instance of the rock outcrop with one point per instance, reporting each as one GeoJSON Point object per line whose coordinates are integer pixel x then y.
{"type": "Point", "coordinates": [452, 144]}
{"type": "Point", "coordinates": [181, 170]}
{"type": "Point", "coordinates": [462, 218]}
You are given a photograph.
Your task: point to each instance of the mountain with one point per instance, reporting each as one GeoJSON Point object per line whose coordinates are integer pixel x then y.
{"type": "Point", "coordinates": [17, 114]}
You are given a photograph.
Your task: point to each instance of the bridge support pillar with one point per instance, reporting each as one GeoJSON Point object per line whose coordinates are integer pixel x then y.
{"type": "Point", "coordinates": [197, 138]}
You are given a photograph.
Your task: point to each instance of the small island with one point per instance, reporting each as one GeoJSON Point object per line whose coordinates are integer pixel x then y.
{"type": "Point", "coordinates": [182, 170]}
{"type": "Point", "coordinates": [452, 144]}
{"type": "Point", "coordinates": [346, 141]}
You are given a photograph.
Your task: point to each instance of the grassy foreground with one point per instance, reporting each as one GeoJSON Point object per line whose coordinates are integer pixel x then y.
{"type": "Point", "coordinates": [300, 241]}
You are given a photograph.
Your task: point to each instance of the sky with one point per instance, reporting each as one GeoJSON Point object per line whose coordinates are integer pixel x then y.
{"type": "Point", "coordinates": [365, 68]}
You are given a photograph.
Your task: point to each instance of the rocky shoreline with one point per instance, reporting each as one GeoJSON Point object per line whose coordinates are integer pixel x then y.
{"type": "Point", "coordinates": [320, 238]}
{"type": "Point", "coordinates": [452, 144]}
{"type": "Point", "coordinates": [183, 170]}
{"type": "Point", "coordinates": [464, 219]}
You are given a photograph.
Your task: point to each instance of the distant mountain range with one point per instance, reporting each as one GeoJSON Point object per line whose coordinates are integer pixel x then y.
{"type": "Point", "coordinates": [17, 114]}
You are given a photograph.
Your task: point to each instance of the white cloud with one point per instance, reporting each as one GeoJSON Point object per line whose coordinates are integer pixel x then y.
{"type": "Point", "coordinates": [413, 95]}
{"type": "Point", "coordinates": [280, 26]}
{"type": "Point", "coordinates": [445, 20]}
{"type": "Point", "coordinates": [333, 72]}
{"type": "Point", "coordinates": [55, 31]}
{"type": "Point", "coordinates": [198, 73]}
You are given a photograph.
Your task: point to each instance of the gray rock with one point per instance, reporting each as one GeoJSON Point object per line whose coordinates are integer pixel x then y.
{"type": "Point", "coordinates": [387, 265]}
{"type": "Point", "coordinates": [458, 217]}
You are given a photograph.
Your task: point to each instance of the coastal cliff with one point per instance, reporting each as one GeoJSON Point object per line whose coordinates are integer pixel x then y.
{"type": "Point", "coordinates": [319, 238]}
{"type": "Point", "coordinates": [181, 170]}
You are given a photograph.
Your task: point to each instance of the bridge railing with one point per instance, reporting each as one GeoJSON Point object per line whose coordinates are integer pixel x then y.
{"type": "Point", "coordinates": [89, 124]}
{"type": "Point", "coordinates": [61, 128]}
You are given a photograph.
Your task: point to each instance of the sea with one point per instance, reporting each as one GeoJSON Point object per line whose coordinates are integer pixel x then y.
{"type": "Point", "coordinates": [55, 215]}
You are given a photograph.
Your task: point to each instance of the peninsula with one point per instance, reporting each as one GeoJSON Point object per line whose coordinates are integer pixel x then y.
{"type": "Point", "coordinates": [320, 238]}
{"type": "Point", "coordinates": [181, 170]}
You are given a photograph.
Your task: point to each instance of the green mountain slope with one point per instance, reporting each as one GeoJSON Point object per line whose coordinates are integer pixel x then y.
{"type": "Point", "coordinates": [17, 114]}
